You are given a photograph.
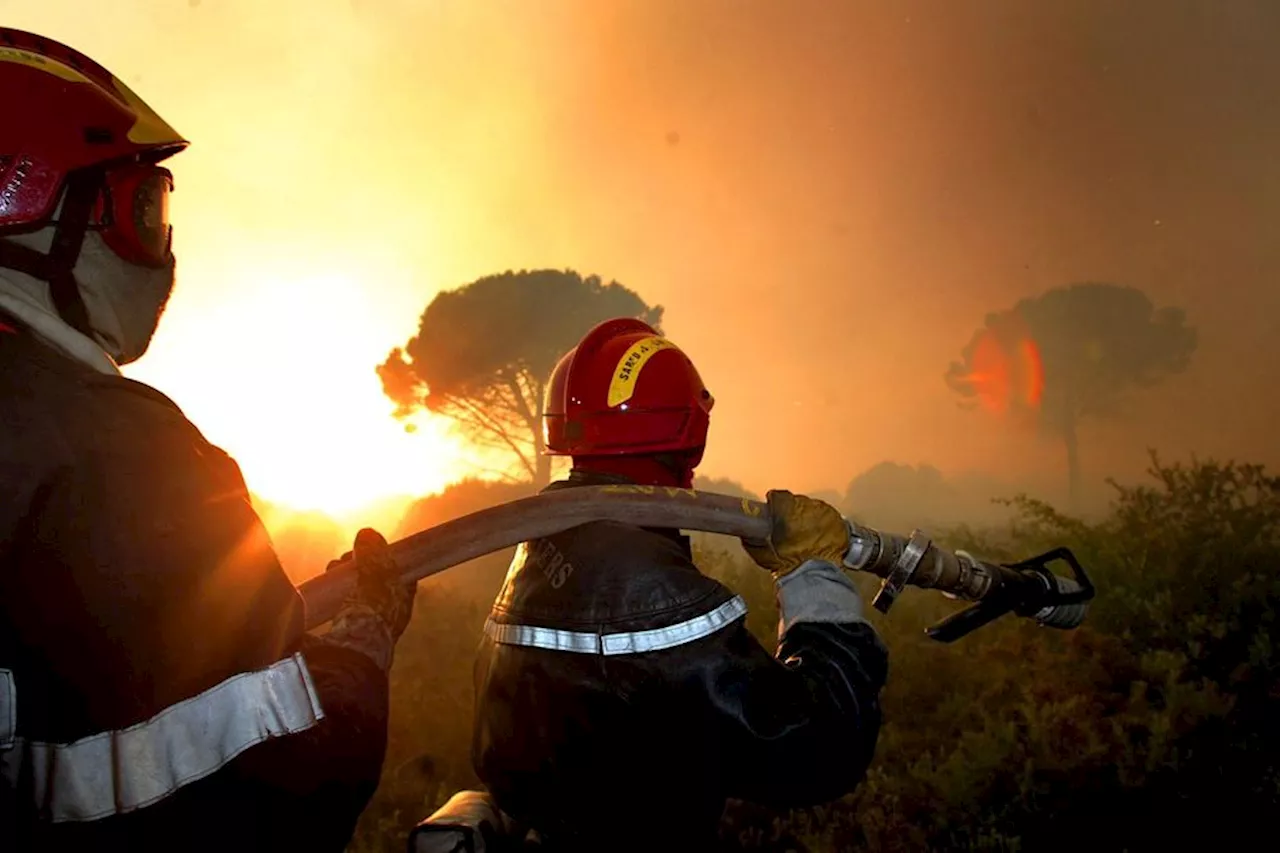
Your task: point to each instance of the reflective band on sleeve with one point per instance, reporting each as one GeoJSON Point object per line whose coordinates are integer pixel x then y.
{"type": "Point", "coordinates": [626, 643]}
{"type": "Point", "coordinates": [120, 771]}
{"type": "Point", "coordinates": [8, 709]}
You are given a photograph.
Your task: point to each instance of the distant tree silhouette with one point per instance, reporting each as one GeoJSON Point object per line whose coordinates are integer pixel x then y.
{"type": "Point", "coordinates": [1070, 353]}
{"type": "Point", "coordinates": [458, 499]}
{"type": "Point", "coordinates": [484, 352]}
{"type": "Point", "coordinates": [723, 486]}
{"type": "Point", "coordinates": [890, 491]}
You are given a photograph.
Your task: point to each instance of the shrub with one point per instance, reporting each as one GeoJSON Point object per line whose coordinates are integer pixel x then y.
{"type": "Point", "coordinates": [1150, 727]}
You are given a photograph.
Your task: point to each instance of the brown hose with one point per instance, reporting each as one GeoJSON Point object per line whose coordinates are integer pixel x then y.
{"type": "Point", "coordinates": [443, 546]}
{"type": "Point", "coordinates": [470, 536]}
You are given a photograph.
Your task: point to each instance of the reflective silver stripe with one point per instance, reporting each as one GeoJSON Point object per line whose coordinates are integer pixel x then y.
{"type": "Point", "coordinates": [625, 643]}
{"type": "Point", "coordinates": [8, 709]}
{"type": "Point", "coordinates": [543, 638]}
{"type": "Point", "coordinates": [120, 771]}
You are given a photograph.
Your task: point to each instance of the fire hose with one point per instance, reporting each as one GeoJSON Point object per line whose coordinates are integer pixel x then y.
{"type": "Point", "coordinates": [1028, 588]}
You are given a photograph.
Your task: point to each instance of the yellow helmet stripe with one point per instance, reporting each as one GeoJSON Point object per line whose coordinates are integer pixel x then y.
{"type": "Point", "coordinates": [148, 129]}
{"type": "Point", "coordinates": [43, 63]}
{"type": "Point", "coordinates": [623, 384]}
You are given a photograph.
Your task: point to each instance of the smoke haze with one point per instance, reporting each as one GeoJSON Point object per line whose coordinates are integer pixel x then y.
{"type": "Point", "coordinates": [826, 197]}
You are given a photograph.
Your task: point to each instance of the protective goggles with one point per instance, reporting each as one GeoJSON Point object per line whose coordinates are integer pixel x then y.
{"type": "Point", "coordinates": [132, 214]}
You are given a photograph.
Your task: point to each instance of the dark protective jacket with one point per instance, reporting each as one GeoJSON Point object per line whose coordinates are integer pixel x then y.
{"type": "Point", "coordinates": [621, 699]}
{"type": "Point", "coordinates": [157, 691]}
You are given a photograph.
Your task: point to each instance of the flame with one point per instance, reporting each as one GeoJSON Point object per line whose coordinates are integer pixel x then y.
{"type": "Point", "coordinates": [991, 374]}
{"type": "Point", "coordinates": [1007, 376]}
{"type": "Point", "coordinates": [1033, 372]}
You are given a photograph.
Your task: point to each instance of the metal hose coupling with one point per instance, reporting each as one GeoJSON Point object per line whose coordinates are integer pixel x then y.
{"type": "Point", "coordinates": [1028, 589]}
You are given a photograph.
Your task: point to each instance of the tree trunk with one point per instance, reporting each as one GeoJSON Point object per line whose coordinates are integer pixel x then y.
{"type": "Point", "coordinates": [542, 462]}
{"type": "Point", "coordinates": [527, 393]}
{"type": "Point", "coordinates": [1073, 461]}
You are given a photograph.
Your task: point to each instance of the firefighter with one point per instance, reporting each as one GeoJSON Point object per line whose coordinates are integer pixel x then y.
{"type": "Point", "coordinates": [620, 698]}
{"type": "Point", "coordinates": [157, 691]}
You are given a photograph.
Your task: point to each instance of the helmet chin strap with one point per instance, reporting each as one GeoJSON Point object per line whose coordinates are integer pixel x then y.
{"type": "Point", "coordinates": [57, 267]}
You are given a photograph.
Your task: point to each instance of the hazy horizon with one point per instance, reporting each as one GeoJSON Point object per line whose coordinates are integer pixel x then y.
{"type": "Point", "coordinates": [826, 198]}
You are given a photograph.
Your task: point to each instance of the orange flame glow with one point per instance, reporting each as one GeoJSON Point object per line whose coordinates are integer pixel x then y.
{"type": "Point", "coordinates": [1007, 376]}
{"type": "Point", "coordinates": [991, 373]}
{"type": "Point", "coordinates": [1033, 370]}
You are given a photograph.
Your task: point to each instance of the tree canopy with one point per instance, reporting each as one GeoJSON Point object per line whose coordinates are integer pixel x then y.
{"type": "Point", "coordinates": [1072, 352]}
{"type": "Point", "coordinates": [484, 352]}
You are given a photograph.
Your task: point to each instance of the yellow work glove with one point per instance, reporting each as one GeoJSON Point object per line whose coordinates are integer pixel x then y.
{"type": "Point", "coordinates": [377, 610]}
{"type": "Point", "coordinates": [804, 529]}
{"type": "Point", "coordinates": [378, 585]}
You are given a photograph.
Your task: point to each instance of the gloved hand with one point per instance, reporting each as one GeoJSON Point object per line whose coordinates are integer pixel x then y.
{"type": "Point", "coordinates": [804, 529]}
{"type": "Point", "coordinates": [379, 585]}
{"type": "Point", "coordinates": [379, 596]}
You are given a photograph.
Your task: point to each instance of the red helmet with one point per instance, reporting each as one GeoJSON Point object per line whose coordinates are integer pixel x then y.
{"type": "Point", "coordinates": [73, 134]}
{"type": "Point", "coordinates": [625, 389]}
{"type": "Point", "coordinates": [64, 112]}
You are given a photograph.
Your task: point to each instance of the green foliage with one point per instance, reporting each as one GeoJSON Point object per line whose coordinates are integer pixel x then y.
{"type": "Point", "coordinates": [1150, 727]}
{"type": "Point", "coordinates": [484, 352]}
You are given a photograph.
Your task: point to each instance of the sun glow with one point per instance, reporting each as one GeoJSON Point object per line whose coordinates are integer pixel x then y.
{"type": "Point", "coordinates": [284, 380]}
{"type": "Point", "coordinates": [347, 163]}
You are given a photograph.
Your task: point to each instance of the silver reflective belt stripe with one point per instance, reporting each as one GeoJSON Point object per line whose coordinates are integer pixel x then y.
{"type": "Point", "coordinates": [120, 771]}
{"type": "Point", "coordinates": [626, 643]}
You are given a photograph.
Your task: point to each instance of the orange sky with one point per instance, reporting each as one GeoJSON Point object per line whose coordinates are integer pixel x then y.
{"type": "Point", "coordinates": [827, 198]}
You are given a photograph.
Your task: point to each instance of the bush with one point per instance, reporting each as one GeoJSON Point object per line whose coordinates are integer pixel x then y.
{"type": "Point", "coordinates": [1145, 729]}
{"type": "Point", "coordinates": [1150, 727]}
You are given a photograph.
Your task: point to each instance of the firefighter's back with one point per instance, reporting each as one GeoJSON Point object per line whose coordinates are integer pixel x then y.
{"type": "Point", "coordinates": [592, 722]}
